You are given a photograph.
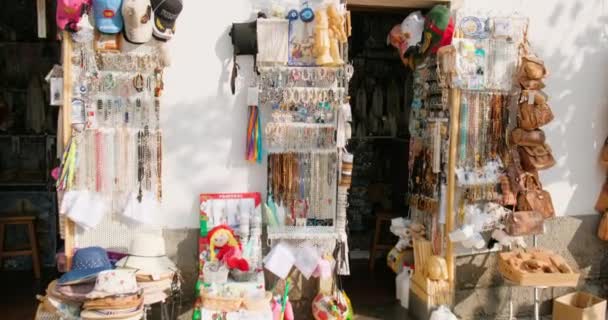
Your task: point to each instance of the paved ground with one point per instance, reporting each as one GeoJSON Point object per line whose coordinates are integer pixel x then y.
{"type": "Point", "coordinates": [372, 295]}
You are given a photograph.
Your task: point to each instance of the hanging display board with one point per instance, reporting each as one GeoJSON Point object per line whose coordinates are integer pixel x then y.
{"type": "Point", "coordinates": [111, 174]}
{"type": "Point", "coordinates": [231, 286]}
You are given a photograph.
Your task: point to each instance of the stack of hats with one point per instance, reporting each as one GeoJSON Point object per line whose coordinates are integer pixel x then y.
{"type": "Point", "coordinates": [116, 295]}
{"type": "Point", "coordinates": [139, 19]}
{"type": "Point", "coordinates": [155, 273]}
{"type": "Point", "coordinates": [66, 295]}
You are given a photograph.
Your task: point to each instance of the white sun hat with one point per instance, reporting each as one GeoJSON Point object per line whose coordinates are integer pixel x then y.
{"type": "Point", "coordinates": [147, 255]}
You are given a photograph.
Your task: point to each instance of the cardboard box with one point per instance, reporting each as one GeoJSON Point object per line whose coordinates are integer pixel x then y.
{"type": "Point", "coordinates": [579, 306]}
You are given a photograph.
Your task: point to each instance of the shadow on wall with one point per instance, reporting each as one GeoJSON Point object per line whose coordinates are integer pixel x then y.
{"type": "Point", "coordinates": [204, 135]}
{"type": "Point", "coordinates": [204, 145]}
{"type": "Point", "coordinates": [576, 86]}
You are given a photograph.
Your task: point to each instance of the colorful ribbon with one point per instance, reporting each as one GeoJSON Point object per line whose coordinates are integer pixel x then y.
{"type": "Point", "coordinates": [254, 136]}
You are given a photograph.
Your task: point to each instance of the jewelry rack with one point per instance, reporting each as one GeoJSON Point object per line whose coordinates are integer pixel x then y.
{"type": "Point", "coordinates": [301, 104]}
{"type": "Point", "coordinates": [111, 111]}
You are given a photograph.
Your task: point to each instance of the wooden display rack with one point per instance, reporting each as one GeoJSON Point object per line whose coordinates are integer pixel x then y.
{"type": "Point", "coordinates": [66, 50]}
{"type": "Point", "coordinates": [434, 293]}
{"type": "Point", "coordinates": [431, 292]}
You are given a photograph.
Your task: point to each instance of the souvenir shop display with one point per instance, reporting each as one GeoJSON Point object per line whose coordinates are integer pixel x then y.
{"type": "Point", "coordinates": [498, 107]}
{"type": "Point", "coordinates": [231, 279]}
{"type": "Point", "coordinates": [112, 163]}
{"type": "Point", "coordinates": [299, 112]}
{"type": "Point", "coordinates": [484, 70]}
{"type": "Point", "coordinates": [94, 289]}
{"type": "Point", "coordinates": [427, 145]}
{"type": "Point", "coordinates": [490, 57]}
{"type": "Point", "coordinates": [112, 160]}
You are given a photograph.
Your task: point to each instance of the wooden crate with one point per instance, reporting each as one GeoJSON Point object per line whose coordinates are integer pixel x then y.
{"type": "Point", "coordinates": [518, 276]}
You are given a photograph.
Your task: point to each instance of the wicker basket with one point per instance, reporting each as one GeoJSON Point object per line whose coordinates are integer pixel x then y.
{"type": "Point", "coordinates": [215, 272]}
{"type": "Point", "coordinates": [221, 303]}
{"type": "Point", "coordinates": [258, 303]}
{"type": "Point", "coordinates": [42, 313]}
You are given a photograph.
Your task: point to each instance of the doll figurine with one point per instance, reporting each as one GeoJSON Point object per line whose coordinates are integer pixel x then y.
{"type": "Point", "coordinates": [322, 41]}
{"type": "Point", "coordinates": [436, 268]}
{"type": "Point", "coordinates": [336, 23]}
{"type": "Point", "coordinates": [337, 34]}
{"type": "Point", "coordinates": [223, 239]}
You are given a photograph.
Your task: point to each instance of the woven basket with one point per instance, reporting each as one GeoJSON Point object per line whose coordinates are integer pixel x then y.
{"type": "Point", "coordinates": [258, 303]}
{"type": "Point", "coordinates": [221, 303]}
{"type": "Point", "coordinates": [43, 314]}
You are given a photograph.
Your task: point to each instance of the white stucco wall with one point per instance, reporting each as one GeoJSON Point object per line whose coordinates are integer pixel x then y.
{"type": "Point", "coordinates": [572, 37]}
{"type": "Point", "coordinates": [204, 124]}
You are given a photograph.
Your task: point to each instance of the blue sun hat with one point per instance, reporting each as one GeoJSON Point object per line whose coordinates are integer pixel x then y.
{"type": "Point", "coordinates": [86, 265]}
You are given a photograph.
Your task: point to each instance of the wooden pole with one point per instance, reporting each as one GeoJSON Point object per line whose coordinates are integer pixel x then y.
{"type": "Point", "coordinates": [451, 188]}
{"type": "Point", "coordinates": [66, 114]}
{"type": "Point", "coordinates": [454, 100]}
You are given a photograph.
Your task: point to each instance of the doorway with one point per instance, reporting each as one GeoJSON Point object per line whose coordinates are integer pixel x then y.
{"type": "Point", "coordinates": [381, 92]}
{"type": "Point", "coordinates": [28, 152]}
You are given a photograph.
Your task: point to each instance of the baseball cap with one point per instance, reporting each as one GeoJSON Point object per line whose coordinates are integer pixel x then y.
{"type": "Point", "coordinates": [137, 15]}
{"type": "Point", "coordinates": [108, 16]}
{"type": "Point", "coordinates": [69, 12]}
{"type": "Point", "coordinates": [165, 15]}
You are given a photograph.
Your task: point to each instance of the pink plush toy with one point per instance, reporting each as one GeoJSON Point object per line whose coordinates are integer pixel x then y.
{"type": "Point", "coordinates": [276, 310]}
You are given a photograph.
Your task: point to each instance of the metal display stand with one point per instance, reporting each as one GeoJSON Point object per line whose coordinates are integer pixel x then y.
{"type": "Point", "coordinates": [537, 291]}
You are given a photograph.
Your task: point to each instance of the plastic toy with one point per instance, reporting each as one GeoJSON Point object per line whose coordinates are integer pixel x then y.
{"type": "Point", "coordinates": [438, 30]}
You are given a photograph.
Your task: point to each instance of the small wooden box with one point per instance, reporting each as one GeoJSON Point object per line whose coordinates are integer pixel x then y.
{"type": "Point", "coordinates": [579, 306]}
{"type": "Point", "coordinates": [510, 266]}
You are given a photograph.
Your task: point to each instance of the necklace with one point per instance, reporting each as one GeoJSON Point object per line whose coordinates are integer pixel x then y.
{"type": "Point", "coordinates": [159, 168]}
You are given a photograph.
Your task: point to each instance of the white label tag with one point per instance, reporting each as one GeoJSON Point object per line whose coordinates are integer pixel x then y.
{"type": "Point", "coordinates": [502, 28]}
{"type": "Point", "coordinates": [78, 115]}
{"type": "Point", "coordinates": [56, 91]}
{"type": "Point", "coordinates": [531, 95]}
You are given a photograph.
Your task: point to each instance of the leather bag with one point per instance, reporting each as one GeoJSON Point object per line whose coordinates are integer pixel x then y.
{"type": "Point", "coordinates": [532, 116]}
{"type": "Point", "coordinates": [532, 67]}
{"type": "Point", "coordinates": [532, 84]}
{"type": "Point", "coordinates": [523, 137]}
{"type": "Point", "coordinates": [604, 153]}
{"type": "Point", "coordinates": [536, 97]}
{"type": "Point", "coordinates": [601, 205]}
{"type": "Point", "coordinates": [533, 198]}
{"type": "Point", "coordinates": [602, 229]}
{"type": "Point", "coordinates": [524, 223]}
{"type": "Point", "coordinates": [536, 157]}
